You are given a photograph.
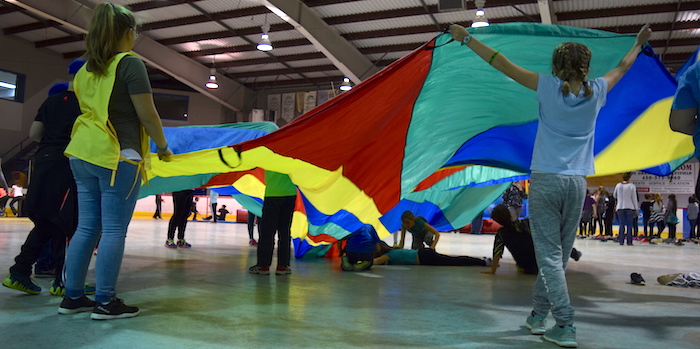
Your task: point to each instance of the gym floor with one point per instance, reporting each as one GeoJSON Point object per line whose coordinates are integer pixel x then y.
{"type": "Point", "coordinates": [204, 297]}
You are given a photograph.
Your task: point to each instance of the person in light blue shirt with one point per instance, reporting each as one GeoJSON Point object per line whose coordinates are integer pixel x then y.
{"type": "Point", "coordinates": [684, 110]}
{"type": "Point", "coordinates": [562, 157]}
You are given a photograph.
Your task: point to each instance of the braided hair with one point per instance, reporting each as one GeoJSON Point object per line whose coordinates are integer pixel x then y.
{"type": "Point", "coordinates": [571, 61]}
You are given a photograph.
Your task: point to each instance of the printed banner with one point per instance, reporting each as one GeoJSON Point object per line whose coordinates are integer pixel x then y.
{"type": "Point", "coordinates": [288, 106]}
{"type": "Point", "coordinates": [309, 101]}
{"type": "Point", "coordinates": [681, 181]}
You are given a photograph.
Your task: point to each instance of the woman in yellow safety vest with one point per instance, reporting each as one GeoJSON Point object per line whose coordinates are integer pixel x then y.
{"type": "Point", "coordinates": [109, 153]}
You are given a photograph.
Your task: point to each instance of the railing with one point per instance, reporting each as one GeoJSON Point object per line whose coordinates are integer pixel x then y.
{"type": "Point", "coordinates": [17, 149]}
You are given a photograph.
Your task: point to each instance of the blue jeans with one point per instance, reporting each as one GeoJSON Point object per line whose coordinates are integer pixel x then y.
{"type": "Point", "coordinates": [556, 202]}
{"type": "Point", "coordinates": [105, 210]}
{"type": "Point", "coordinates": [626, 217]}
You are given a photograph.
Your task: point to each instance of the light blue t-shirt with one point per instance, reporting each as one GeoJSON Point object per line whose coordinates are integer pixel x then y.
{"type": "Point", "coordinates": [564, 141]}
{"type": "Point", "coordinates": [688, 96]}
{"type": "Point", "coordinates": [402, 257]}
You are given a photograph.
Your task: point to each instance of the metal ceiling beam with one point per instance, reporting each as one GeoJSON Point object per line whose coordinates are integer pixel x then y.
{"type": "Point", "coordinates": [186, 70]}
{"type": "Point", "coordinates": [629, 11]}
{"type": "Point", "coordinates": [657, 27]}
{"type": "Point", "coordinates": [29, 27]}
{"type": "Point", "coordinates": [7, 9]}
{"type": "Point", "coordinates": [272, 72]}
{"type": "Point", "coordinates": [342, 54]}
{"type": "Point", "coordinates": [245, 48]}
{"type": "Point", "coordinates": [547, 14]}
{"type": "Point", "coordinates": [153, 4]}
{"type": "Point", "coordinates": [265, 60]}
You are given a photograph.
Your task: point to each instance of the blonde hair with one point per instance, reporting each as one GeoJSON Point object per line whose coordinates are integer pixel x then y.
{"type": "Point", "coordinates": [657, 198]}
{"type": "Point", "coordinates": [107, 26]}
{"type": "Point", "coordinates": [571, 61]}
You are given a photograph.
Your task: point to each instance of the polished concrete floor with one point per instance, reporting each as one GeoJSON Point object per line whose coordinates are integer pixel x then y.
{"type": "Point", "coordinates": [204, 298]}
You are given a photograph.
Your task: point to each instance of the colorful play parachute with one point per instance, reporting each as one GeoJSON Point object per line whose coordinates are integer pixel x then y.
{"type": "Point", "coordinates": [439, 132]}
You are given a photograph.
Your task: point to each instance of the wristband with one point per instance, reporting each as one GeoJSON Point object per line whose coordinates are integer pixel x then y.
{"type": "Point", "coordinates": [492, 57]}
{"type": "Point", "coordinates": [160, 150]}
{"type": "Point", "coordinates": [467, 39]}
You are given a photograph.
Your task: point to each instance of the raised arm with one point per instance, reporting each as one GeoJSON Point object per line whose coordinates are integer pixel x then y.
{"type": "Point", "coordinates": [496, 59]}
{"type": "Point", "coordinates": [614, 76]}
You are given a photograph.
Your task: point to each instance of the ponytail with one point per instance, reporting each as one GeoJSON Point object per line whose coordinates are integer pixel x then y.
{"type": "Point", "coordinates": [107, 26]}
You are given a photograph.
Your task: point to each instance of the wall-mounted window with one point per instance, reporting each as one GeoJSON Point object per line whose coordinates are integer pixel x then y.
{"type": "Point", "coordinates": [12, 86]}
{"type": "Point", "coordinates": [173, 107]}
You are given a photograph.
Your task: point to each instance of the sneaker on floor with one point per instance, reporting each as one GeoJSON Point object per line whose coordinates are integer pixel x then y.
{"type": "Point", "coordinates": [252, 242]}
{"type": "Point", "coordinates": [362, 265]}
{"type": "Point", "coordinates": [170, 244]}
{"type": "Point", "coordinates": [115, 309]}
{"type": "Point", "coordinates": [637, 279]}
{"type": "Point", "coordinates": [283, 270]}
{"type": "Point", "coordinates": [563, 336]}
{"type": "Point", "coordinates": [183, 244]}
{"type": "Point", "coordinates": [73, 306]}
{"type": "Point", "coordinates": [21, 284]}
{"type": "Point", "coordinates": [487, 261]}
{"type": "Point", "coordinates": [345, 264]}
{"type": "Point", "coordinates": [260, 269]}
{"type": "Point", "coordinates": [44, 274]}
{"type": "Point", "coordinates": [576, 254]}
{"type": "Point", "coordinates": [536, 324]}
{"type": "Point", "coordinates": [666, 279]}
{"type": "Point", "coordinates": [57, 289]}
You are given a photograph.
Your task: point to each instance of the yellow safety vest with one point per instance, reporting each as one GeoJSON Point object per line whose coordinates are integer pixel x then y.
{"type": "Point", "coordinates": [93, 138]}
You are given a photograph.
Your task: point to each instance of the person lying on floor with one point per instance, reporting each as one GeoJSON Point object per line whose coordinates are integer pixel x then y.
{"type": "Point", "coordinates": [359, 250]}
{"type": "Point", "coordinates": [425, 256]}
{"type": "Point", "coordinates": [516, 236]}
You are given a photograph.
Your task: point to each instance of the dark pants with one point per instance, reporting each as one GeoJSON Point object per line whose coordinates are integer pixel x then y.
{"type": "Point", "coordinates": [3, 203]}
{"type": "Point", "coordinates": [660, 224]}
{"type": "Point", "coordinates": [645, 222]}
{"type": "Point", "coordinates": [213, 211]}
{"type": "Point", "coordinates": [17, 211]}
{"type": "Point", "coordinates": [276, 218]}
{"type": "Point", "coordinates": [692, 234]}
{"type": "Point", "coordinates": [182, 203]}
{"type": "Point", "coordinates": [428, 256]}
{"type": "Point", "coordinates": [609, 223]}
{"type": "Point", "coordinates": [44, 230]}
{"type": "Point", "coordinates": [159, 205]}
{"type": "Point", "coordinates": [671, 230]}
{"type": "Point", "coordinates": [251, 225]}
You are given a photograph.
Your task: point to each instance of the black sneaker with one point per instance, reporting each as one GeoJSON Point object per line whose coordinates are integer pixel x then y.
{"type": "Point", "coordinates": [72, 306]}
{"type": "Point", "coordinates": [576, 254]}
{"type": "Point", "coordinates": [115, 309]}
{"type": "Point", "coordinates": [637, 279]}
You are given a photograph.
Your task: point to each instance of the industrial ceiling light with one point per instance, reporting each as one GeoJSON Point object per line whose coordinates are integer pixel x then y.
{"type": "Point", "coordinates": [480, 19]}
{"type": "Point", "coordinates": [265, 44]}
{"type": "Point", "coordinates": [211, 84]}
{"type": "Point", "coordinates": [346, 85]}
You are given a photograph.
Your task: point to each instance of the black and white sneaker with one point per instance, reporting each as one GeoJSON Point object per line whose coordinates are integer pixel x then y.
{"type": "Point", "coordinates": [115, 309]}
{"type": "Point", "coordinates": [73, 306]}
{"type": "Point", "coordinates": [637, 279]}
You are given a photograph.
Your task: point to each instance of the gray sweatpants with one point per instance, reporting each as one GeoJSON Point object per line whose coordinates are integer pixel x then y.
{"type": "Point", "coordinates": [556, 202]}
